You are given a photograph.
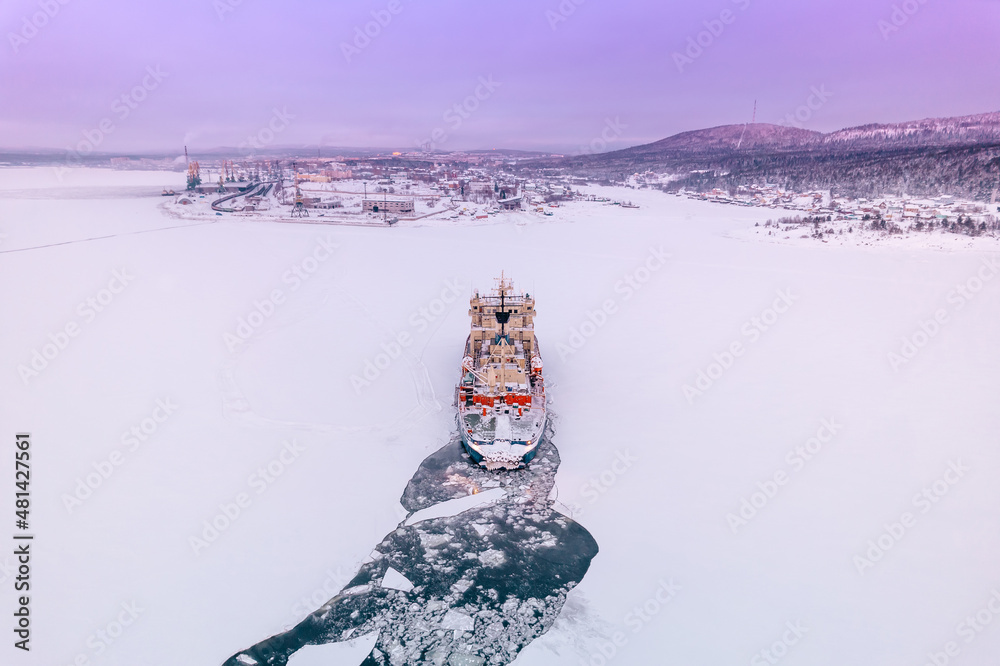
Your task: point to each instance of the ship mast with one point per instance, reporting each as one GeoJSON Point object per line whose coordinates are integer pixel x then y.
{"type": "Point", "coordinates": [503, 316]}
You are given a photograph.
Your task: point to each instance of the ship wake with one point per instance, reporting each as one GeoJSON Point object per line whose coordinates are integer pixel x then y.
{"type": "Point", "coordinates": [471, 589]}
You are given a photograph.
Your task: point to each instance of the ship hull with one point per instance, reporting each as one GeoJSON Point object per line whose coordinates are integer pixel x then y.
{"type": "Point", "coordinates": [490, 454]}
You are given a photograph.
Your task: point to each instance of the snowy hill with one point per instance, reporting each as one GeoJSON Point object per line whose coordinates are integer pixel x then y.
{"type": "Point", "coordinates": [984, 127]}
{"type": "Point", "coordinates": [928, 132]}
{"type": "Point", "coordinates": [732, 136]}
{"type": "Point", "coordinates": [958, 156]}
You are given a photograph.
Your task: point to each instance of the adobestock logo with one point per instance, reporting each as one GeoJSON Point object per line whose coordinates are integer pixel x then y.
{"type": "Point", "coordinates": [263, 309]}
{"type": "Point", "coordinates": [779, 648]}
{"type": "Point", "coordinates": [900, 16]}
{"type": "Point", "coordinates": [636, 619]}
{"type": "Point", "coordinates": [381, 18]}
{"type": "Point", "coordinates": [630, 284]}
{"type": "Point", "coordinates": [817, 99]}
{"type": "Point", "coordinates": [924, 500]}
{"type": "Point", "coordinates": [280, 119]}
{"type": "Point", "coordinates": [705, 39]}
{"type": "Point", "coordinates": [561, 13]}
{"type": "Point", "coordinates": [752, 329]}
{"type": "Point", "coordinates": [796, 459]}
{"type": "Point", "coordinates": [30, 25]}
{"type": "Point", "coordinates": [260, 481]}
{"type": "Point", "coordinates": [419, 321]}
{"type": "Point", "coordinates": [459, 112]}
{"type": "Point", "coordinates": [122, 107]}
{"type": "Point", "coordinates": [928, 329]}
{"type": "Point", "coordinates": [612, 131]}
{"type": "Point", "coordinates": [131, 439]}
{"type": "Point", "coordinates": [88, 310]}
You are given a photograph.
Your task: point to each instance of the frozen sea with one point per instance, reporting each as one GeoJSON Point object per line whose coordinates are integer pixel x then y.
{"type": "Point", "coordinates": [780, 448]}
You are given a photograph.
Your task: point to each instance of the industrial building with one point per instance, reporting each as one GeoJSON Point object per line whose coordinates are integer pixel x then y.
{"type": "Point", "coordinates": [387, 206]}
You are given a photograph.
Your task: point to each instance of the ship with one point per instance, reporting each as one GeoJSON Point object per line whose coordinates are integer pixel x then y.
{"type": "Point", "coordinates": [501, 391]}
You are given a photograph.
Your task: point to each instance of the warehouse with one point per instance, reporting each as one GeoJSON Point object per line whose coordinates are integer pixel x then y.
{"type": "Point", "coordinates": [387, 206]}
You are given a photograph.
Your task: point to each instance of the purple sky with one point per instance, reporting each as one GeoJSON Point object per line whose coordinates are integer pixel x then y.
{"type": "Point", "coordinates": [560, 82]}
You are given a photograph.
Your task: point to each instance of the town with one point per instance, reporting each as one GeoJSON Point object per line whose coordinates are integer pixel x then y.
{"type": "Point", "coordinates": [385, 189]}
{"type": "Point", "coordinates": [890, 215]}
{"type": "Point", "coordinates": [375, 191]}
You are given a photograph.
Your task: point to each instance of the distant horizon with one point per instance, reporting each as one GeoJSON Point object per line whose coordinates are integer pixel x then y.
{"type": "Point", "coordinates": [281, 148]}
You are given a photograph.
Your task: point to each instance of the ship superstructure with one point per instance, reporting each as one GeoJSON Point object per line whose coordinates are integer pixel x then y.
{"type": "Point", "coordinates": [501, 392]}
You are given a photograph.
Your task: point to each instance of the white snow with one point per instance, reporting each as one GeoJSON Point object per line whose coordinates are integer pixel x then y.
{"type": "Point", "coordinates": [870, 240]}
{"type": "Point", "coordinates": [458, 621]}
{"type": "Point", "coordinates": [396, 581]}
{"type": "Point", "coordinates": [492, 558]}
{"type": "Point", "coordinates": [457, 506]}
{"type": "Point", "coordinates": [618, 391]}
{"type": "Point", "coordinates": [353, 651]}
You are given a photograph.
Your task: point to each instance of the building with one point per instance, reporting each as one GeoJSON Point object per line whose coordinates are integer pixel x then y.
{"type": "Point", "coordinates": [227, 187]}
{"type": "Point", "coordinates": [387, 206]}
{"type": "Point", "coordinates": [510, 204]}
